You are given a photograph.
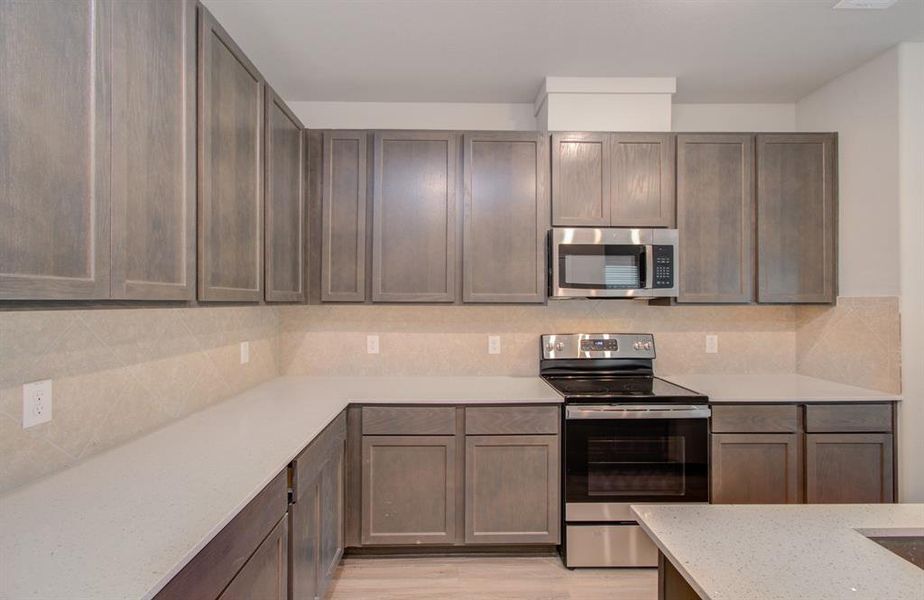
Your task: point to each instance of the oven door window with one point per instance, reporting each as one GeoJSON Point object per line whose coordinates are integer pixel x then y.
{"type": "Point", "coordinates": [601, 266]}
{"type": "Point", "coordinates": [632, 460]}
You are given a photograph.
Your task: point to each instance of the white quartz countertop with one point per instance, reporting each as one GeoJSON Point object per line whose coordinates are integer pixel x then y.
{"type": "Point", "coordinates": [781, 387]}
{"type": "Point", "coordinates": [786, 552]}
{"type": "Point", "coordinates": [121, 524]}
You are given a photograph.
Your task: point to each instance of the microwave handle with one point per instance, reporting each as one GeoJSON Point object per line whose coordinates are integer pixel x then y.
{"type": "Point", "coordinates": [649, 267]}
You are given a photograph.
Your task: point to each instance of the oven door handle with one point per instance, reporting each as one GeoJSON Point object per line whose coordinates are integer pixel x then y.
{"type": "Point", "coordinates": [640, 411]}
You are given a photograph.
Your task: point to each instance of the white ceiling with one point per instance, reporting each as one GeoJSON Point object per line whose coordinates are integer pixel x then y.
{"type": "Point", "coordinates": [500, 50]}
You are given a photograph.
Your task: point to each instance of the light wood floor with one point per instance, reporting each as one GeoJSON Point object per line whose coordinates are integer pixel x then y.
{"type": "Point", "coordinates": [481, 578]}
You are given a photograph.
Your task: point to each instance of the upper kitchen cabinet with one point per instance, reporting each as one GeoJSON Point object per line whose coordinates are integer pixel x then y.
{"type": "Point", "coordinates": [642, 180]}
{"type": "Point", "coordinates": [613, 179]}
{"type": "Point", "coordinates": [414, 217]}
{"type": "Point", "coordinates": [343, 229]}
{"type": "Point", "coordinates": [580, 179]}
{"type": "Point", "coordinates": [54, 150]}
{"type": "Point", "coordinates": [715, 216]}
{"type": "Point", "coordinates": [796, 218]}
{"type": "Point", "coordinates": [230, 168]}
{"type": "Point", "coordinates": [285, 206]}
{"type": "Point", "coordinates": [153, 150]}
{"type": "Point", "coordinates": [505, 217]}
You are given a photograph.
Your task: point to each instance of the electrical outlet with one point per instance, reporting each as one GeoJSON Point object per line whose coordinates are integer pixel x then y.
{"type": "Point", "coordinates": [245, 353]}
{"type": "Point", "coordinates": [712, 344]}
{"type": "Point", "coordinates": [372, 344]}
{"type": "Point", "coordinates": [36, 403]}
{"type": "Point", "coordinates": [494, 346]}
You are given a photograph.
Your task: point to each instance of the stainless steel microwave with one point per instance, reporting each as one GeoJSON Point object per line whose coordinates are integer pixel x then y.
{"type": "Point", "coordinates": [587, 262]}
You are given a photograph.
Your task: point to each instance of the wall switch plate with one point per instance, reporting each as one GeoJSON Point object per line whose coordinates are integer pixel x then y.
{"type": "Point", "coordinates": [712, 344]}
{"type": "Point", "coordinates": [372, 344]}
{"type": "Point", "coordinates": [36, 403]}
{"type": "Point", "coordinates": [494, 346]}
{"type": "Point", "coordinates": [245, 353]}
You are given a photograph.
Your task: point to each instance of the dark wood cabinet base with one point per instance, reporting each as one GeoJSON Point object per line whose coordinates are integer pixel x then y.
{"type": "Point", "coordinates": [671, 584]}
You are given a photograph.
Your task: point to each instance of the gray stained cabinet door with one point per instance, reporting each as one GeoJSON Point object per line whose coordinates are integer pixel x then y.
{"type": "Point", "coordinates": [54, 150]}
{"type": "Point", "coordinates": [505, 217]}
{"type": "Point", "coordinates": [264, 574]}
{"type": "Point", "coordinates": [642, 180]}
{"type": "Point", "coordinates": [305, 542]}
{"type": "Point", "coordinates": [796, 218]}
{"type": "Point", "coordinates": [408, 490]}
{"type": "Point", "coordinates": [581, 164]}
{"type": "Point", "coordinates": [414, 252]}
{"type": "Point", "coordinates": [284, 201]}
{"type": "Point", "coordinates": [230, 168]}
{"type": "Point", "coordinates": [153, 181]}
{"type": "Point", "coordinates": [715, 216]}
{"type": "Point", "coordinates": [317, 513]}
{"type": "Point", "coordinates": [512, 489]}
{"type": "Point", "coordinates": [331, 511]}
{"type": "Point", "coordinates": [750, 468]}
{"type": "Point", "coordinates": [849, 468]}
{"type": "Point", "coordinates": [343, 233]}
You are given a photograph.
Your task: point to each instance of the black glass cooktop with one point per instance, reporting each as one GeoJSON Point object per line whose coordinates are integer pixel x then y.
{"type": "Point", "coordinates": [646, 389]}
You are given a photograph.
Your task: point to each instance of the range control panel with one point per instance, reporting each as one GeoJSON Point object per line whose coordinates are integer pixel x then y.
{"type": "Point", "coordinates": [663, 266]}
{"type": "Point", "coordinates": [598, 345]}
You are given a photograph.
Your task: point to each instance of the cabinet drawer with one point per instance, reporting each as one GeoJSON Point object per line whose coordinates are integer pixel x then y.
{"type": "Point", "coordinates": [506, 420]}
{"type": "Point", "coordinates": [309, 463]}
{"type": "Point", "coordinates": [215, 566]}
{"type": "Point", "coordinates": [409, 420]}
{"type": "Point", "coordinates": [758, 418]}
{"type": "Point", "coordinates": [846, 418]}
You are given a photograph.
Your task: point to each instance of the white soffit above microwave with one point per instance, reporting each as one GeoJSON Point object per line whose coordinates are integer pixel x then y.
{"type": "Point", "coordinates": [501, 50]}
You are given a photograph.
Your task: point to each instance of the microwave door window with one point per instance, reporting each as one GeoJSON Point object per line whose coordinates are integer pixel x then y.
{"type": "Point", "coordinates": [601, 267]}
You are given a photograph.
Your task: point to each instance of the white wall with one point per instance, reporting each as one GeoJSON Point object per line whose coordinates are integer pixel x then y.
{"type": "Point", "coordinates": [862, 106]}
{"type": "Point", "coordinates": [415, 115]}
{"type": "Point", "coordinates": [911, 210]}
{"type": "Point", "coordinates": [734, 117]}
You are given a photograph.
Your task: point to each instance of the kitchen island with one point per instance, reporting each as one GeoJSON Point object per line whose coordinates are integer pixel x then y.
{"type": "Point", "coordinates": [785, 552]}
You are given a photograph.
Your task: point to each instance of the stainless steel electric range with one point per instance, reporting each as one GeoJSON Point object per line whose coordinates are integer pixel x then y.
{"type": "Point", "coordinates": [629, 438]}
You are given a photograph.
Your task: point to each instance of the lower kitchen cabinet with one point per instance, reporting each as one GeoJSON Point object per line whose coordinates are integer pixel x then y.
{"type": "Point", "coordinates": [317, 510]}
{"type": "Point", "coordinates": [454, 476]}
{"type": "Point", "coordinates": [330, 541]}
{"type": "Point", "coordinates": [408, 489]}
{"type": "Point", "coordinates": [512, 489]}
{"type": "Point", "coordinates": [792, 453]}
{"type": "Point", "coordinates": [756, 468]}
{"type": "Point", "coordinates": [247, 558]}
{"type": "Point", "coordinates": [264, 575]}
{"type": "Point", "coordinates": [848, 468]}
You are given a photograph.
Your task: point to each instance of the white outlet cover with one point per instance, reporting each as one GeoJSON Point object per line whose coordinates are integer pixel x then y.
{"type": "Point", "coordinates": [245, 353]}
{"type": "Point", "coordinates": [494, 344]}
{"type": "Point", "coordinates": [712, 344]}
{"type": "Point", "coordinates": [36, 403]}
{"type": "Point", "coordinates": [372, 344]}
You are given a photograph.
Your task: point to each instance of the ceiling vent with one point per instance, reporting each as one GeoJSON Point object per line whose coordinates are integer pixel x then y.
{"type": "Point", "coordinates": [864, 4]}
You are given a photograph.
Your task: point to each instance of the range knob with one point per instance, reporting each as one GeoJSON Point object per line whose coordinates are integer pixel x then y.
{"type": "Point", "coordinates": [559, 346]}
{"type": "Point", "coordinates": [549, 347]}
{"type": "Point", "coordinates": [637, 345]}
{"type": "Point", "coordinates": [647, 345]}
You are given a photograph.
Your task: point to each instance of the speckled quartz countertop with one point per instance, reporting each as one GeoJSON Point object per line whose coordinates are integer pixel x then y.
{"type": "Point", "coordinates": [781, 387]}
{"type": "Point", "coordinates": [786, 552]}
{"type": "Point", "coordinates": [120, 525]}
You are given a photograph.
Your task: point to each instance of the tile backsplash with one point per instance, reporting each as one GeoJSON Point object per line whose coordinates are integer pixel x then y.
{"type": "Point", "coordinates": [119, 373]}
{"type": "Point", "coordinates": [452, 340]}
{"type": "Point", "coordinates": [856, 342]}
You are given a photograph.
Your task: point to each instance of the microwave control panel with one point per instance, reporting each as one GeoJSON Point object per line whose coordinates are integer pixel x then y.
{"type": "Point", "coordinates": [663, 266]}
